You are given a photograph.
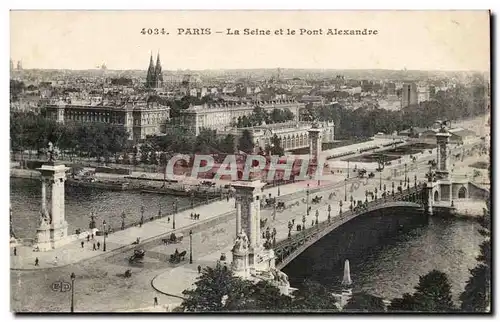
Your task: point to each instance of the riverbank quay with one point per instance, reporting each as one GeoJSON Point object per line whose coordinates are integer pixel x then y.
{"type": "Point", "coordinates": [151, 231]}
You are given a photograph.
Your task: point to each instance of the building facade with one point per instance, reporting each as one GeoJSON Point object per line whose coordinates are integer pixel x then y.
{"type": "Point", "coordinates": [409, 95]}
{"type": "Point", "coordinates": [293, 135]}
{"type": "Point", "coordinates": [222, 116]}
{"type": "Point", "coordinates": [139, 119]}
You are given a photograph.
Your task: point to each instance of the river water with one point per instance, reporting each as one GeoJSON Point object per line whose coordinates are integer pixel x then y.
{"type": "Point", "coordinates": [387, 252]}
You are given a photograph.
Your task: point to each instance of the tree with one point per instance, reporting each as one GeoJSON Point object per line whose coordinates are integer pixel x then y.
{"type": "Point", "coordinates": [406, 303]}
{"type": "Point", "coordinates": [245, 142]}
{"type": "Point", "coordinates": [365, 302]}
{"type": "Point", "coordinates": [313, 296]}
{"type": "Point", "coordinates": [218, 290]}
{"type": "Point", "coordinates": [476, 295]}
{"type": "Point", "coordinates": [275, 147]}
{"type": "Point", "coordinates": [433, 293]}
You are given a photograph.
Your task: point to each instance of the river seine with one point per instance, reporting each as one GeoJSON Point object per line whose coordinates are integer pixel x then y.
{"type": "Point", "coordinates": [387, 256]}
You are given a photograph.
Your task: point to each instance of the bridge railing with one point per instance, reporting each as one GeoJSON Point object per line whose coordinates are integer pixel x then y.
{"type": "Point", "coordinates": [347, 215]}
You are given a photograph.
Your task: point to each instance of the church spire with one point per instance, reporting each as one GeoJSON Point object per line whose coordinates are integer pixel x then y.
{"type": "Point", "coordinates": [151, 77]}
{"type": "Point", "coordinates": [158, 71]}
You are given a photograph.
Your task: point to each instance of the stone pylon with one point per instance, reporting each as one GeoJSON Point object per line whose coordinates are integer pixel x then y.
{"type": "Point", "coordinates": [53, 230]}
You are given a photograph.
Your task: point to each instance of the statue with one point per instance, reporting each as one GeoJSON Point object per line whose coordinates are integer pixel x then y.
{"type": "Point", "coordinates": [241, 243]}
{"type": "Point", "coordinates": [443, 125]}
{"type": "Point", "coordinates": [280, 277]}
{"type": "Point", "coordinates": [52, 153]}
{"type": "Point", "coordinates": [44, 219]}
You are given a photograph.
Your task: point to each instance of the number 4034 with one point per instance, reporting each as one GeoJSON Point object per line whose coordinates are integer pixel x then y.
{"type": "Point", "coordinates": [154, 31]}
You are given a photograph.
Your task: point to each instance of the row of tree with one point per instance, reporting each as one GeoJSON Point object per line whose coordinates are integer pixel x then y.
{"type": "Point", "coordinates": [218, 289]}
{"type": "Point", "coordinates": [29, 131]}
{"type": "Point", "coordinates": [454, 104]}
{"type": "Point", "coordinates": [261, 116]}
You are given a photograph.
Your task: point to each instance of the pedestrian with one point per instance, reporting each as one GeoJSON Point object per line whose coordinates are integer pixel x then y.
{"type": "Point", "coordinates": [55, 261]}
{"type": "Point", "coordinates": [92, 236]}
{"type": "Point", "coordinates": [36, 261]}
{"type": "Point", "coordinates": [312, 223]}
{"type": "Point", "coordinates": [88, 238]}
{"type": "Point", "coordinates": [155, 301]}
{"type": "Point", "coordinates": [293, 221]}
{"type": "Point", "coordinates": [15, 251]}
{"type": "Point", "coordinates": [168, 219]}
{"type": "Point", "coordinates": [191, 215]}
{"type": "Point", "coordinates": [98, 245]}
{"type": "Point", "coordinates": [82, 243]}
{"type": "Point", "coordinates": [93, 246]}
{"type": "Point", "coordinates": [228, 198]}
{"type": "Point", "coordinates": [199, 269]}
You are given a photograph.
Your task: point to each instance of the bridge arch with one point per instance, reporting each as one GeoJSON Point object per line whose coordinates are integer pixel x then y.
{"type": "Point", "coordinates": [462, 193]}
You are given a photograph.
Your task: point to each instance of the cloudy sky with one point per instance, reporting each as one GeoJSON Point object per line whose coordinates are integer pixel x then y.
{"type": "Point", "coordinates": [425, 40]}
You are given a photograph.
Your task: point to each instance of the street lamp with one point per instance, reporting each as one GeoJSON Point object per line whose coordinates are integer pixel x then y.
{"type": "Point", "coordinates": [405, 172]}
{"type": "Point", "coordinates": [73, 276]}
{"type": "Point", "coordinates": [317, 215]}
{"type": "Point", "coordinates": [304, 223]}
{"type": "Point", "coordinates": [307, 205]}
{"type": "Point", "coordinates": [347, 169]}
{"type": "Point", "coordinates": [104, 234]}
{"type": "Point", "coordinates": [142, 215]}
{"type": "Point", "coordinates": [190, 247]}
{"type": "Point", "coordinates": [173, 215]}
{"type": "Point", "coordinates": [345, 189]}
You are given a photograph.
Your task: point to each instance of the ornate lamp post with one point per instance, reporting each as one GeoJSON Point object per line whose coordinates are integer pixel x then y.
{"type": "Point", "coordinates": [307, 205]}
{"type": "Point", "coordinates": [366, 196]}
{"type": "Point", "coordinates": [290, 226]}
{"type": "Point", "coordinates": [304, 223]}
{"type": "Point", "coordinates": [376, 192]}
{"type": "Point", "coordinates": [381, 166]}
{"type": "Point", "coordinates": [317, 215]}
{"type": "Point", "coordinates": [73, 277]}
{"type": "Point", "coordinates": [345, 189]}
{"type": "Point", "coordinates": [190, 247]}
{"type": "Point", "coordinates": [104, 234]}
{"type": "Point", "coordinates": [329, 211]}
{"type": "Point", "coordinates": [173, 215]}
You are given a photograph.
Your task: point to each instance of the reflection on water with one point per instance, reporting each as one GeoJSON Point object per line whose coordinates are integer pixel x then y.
{"type": "Point", "coordinates": [25, 198]}
{"type": "Point", "coordinates": [394, 265]}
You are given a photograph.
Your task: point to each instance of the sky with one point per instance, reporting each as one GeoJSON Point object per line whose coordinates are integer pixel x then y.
{"type": "Point", "coordinates": [416, 40]}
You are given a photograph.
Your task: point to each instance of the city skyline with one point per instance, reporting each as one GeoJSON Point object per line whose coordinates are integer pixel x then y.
{"type": "Point", "coordinates": [406, 40]}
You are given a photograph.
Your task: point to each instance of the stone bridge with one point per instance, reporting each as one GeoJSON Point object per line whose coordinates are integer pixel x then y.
{"type": "Point", "coordinates": [288, 249]}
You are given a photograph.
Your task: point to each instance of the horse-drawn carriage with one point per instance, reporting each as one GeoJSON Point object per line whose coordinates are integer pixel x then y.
{"type": "Point", "coordinates": [177, 257]}
{"type": "Point", "coordinates": [138, 256]}
{"type": "Point", "coordinates": [173, 239]}
{"type": "Point", "coordinates": [280, 205]}
{"type": "Point", "coordinates": [317, 199]}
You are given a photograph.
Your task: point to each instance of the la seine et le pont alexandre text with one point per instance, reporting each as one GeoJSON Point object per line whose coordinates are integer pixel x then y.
{"type": "Point", "coordinates": [262, 32]}
{"type": "Point", "coordinates": [280, 32]}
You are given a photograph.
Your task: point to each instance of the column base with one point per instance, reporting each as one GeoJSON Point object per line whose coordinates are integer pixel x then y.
{"type": "Point", "coordinates": [51, 237]}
